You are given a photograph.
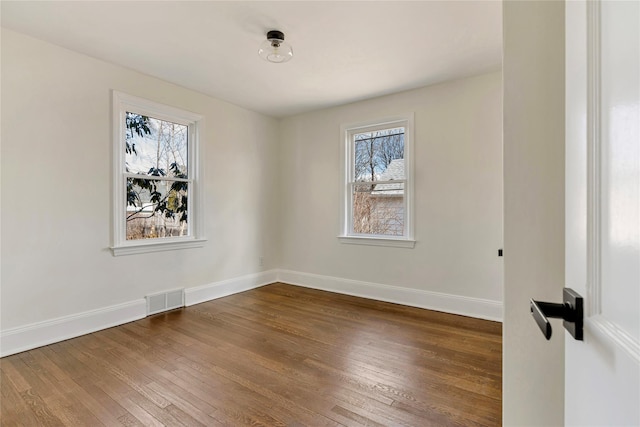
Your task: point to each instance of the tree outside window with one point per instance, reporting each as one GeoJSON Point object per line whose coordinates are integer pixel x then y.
{"type": "Point", "coordinates": [378, 205]}
{"type": "Point", "coordinates": [156, 165]}
{"type": "Point", "coordinates": [378, 186]}
{"type": "Point", "coordinates": [157, 197]}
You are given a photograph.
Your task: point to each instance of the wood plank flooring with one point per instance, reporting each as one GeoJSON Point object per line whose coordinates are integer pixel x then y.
{"type": "Point", "coordinates": [279, 355]}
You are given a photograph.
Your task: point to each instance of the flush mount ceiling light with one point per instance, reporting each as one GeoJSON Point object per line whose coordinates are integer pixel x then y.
{"type": "Point", "coordinates": [275, 49]}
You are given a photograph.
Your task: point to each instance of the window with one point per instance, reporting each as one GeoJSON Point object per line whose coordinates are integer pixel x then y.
{"type": "Point", "coordinates": [156, 189]}
{"type": "Point", "coordinates": [378, 183]}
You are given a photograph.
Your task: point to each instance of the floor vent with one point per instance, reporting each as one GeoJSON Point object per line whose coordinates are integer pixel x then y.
{"type": "Point", "coordinates": [164, 301]}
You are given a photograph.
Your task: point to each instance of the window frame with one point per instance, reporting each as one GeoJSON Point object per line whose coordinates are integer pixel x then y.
{"type": "Point", "coordinates": [347, 133]}
{"type": "Point", "coordinates": [123, 103]}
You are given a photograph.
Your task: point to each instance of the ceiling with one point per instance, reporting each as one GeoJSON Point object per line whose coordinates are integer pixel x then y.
{"type": "Point", "coordinates": [344, 51]}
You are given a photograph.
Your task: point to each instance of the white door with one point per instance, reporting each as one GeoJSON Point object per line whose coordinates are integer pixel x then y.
{"type": "Point", "coordinates": [602, 373]}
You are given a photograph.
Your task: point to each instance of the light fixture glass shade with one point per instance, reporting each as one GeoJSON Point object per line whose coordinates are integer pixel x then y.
{"type": "Point", "coordinates": [275, 49]}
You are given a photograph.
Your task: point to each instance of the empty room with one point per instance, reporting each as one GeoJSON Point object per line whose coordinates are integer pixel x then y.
{"type": "Point", "coordinates": [319, 213]}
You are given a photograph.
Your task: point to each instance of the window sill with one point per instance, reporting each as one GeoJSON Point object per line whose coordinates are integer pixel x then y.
{"type": "Point", "coordinates": [155, 246]}
{"type": "Point", "coordinates": [378, 241]}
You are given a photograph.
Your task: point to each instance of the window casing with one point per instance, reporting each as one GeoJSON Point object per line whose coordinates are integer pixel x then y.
{"type": "Point", "coordinates": [377, 185]}
{"type": "Point", "coordinates": [156, 191]}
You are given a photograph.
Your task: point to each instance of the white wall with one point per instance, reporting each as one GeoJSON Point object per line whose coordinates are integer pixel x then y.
{"type": "Point", "coordinates": [271, 190]}
{"type": "Point", "coordinates": [458, 194]}
{"type": "Point", "coordinates": [56, 187]}
{"type": "Point", "coordinates": [533, 68]}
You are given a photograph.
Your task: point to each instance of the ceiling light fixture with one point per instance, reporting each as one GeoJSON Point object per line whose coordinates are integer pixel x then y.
{"type": "Point", "coordinates": [274, 48]}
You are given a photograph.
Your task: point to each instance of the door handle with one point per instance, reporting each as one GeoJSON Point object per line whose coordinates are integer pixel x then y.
{"type": "Point", "coordinates": [571, 311]}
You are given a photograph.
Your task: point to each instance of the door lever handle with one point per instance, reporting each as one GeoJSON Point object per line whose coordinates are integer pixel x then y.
{"type": "Point", "coordinates": [571, 311]}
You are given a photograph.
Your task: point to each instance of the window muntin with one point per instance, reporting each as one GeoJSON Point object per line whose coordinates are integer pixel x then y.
{"type": "Point", "coordinates": [377, 192]}
{"type": "Point", "coordinates": [156, 197]}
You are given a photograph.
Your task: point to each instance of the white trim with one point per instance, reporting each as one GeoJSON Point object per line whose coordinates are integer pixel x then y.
{"type": "Point", "coordinates": [597, 320]}
{"type": "Point", "coordinates": [195, 236]}
{"type": "Point", "coordinates": [39, 334]}
{"type": "Point", "coordinates": [346, 161]}
{"type": "Point", "coordinates": [448, 303]}
{"type": "Point", "coordinates": [228, 287]}
{"type": "Point", "coordinates": [144, 246]}
{"type": "Point", "coordinates": [377, 241]}
{"type": "Point", "coordinates": [594, 153]}
{"type": "Point", "coordinates": [155, 109]}
{"type": "Point", "coordinates": [616, 334]}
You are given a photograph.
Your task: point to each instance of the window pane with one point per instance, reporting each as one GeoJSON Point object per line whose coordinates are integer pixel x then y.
{"type": "Point", "coordinates": [378, 209]}
{"type": "Point", "coordinates": [156, 208]}
{"type": "Point", "coordinates": [375, 152]}
{"type": "Point", "coordinates": [155, 147]}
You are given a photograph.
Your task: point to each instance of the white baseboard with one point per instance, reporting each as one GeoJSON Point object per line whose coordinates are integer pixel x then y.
{"type": "Point", "coordinates": [455, 304]}
{"type": "Point", "coordinates": [228, 287]}
{"type": "Point", "coordinates": [38, 334]}
{"type": "Point", "coordinates": [35, 335]}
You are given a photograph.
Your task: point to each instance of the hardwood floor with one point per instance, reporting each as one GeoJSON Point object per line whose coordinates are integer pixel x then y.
{"type": "Point", "coordinates": [279, 355]}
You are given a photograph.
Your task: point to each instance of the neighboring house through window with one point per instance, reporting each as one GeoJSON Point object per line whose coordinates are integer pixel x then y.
{"type": "Point", "coordinates": [156, 169]}
{"type": "Point", "coordinates": [378, 183]}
